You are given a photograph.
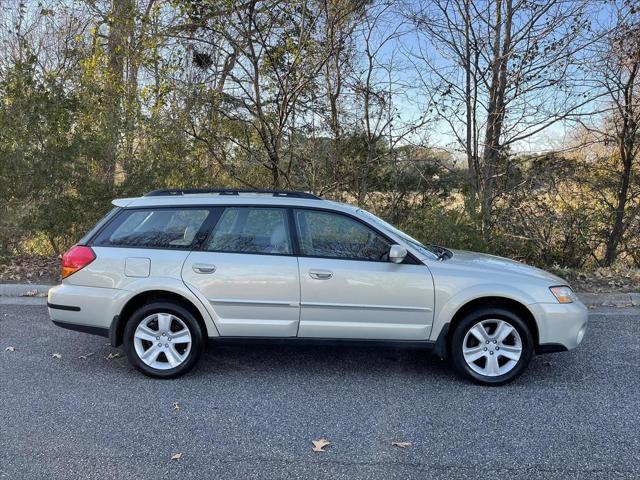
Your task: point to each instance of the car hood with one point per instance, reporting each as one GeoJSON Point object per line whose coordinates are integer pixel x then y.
{"type": "Point", "coordinates": [492, 263]}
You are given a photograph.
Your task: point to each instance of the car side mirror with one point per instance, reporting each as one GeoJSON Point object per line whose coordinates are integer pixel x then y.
{"type": "Point", "coordinates": [397, 253]}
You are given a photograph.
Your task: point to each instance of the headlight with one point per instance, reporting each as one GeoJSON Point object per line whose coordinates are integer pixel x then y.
{"type": "Point", "coordinates": [563, 294]}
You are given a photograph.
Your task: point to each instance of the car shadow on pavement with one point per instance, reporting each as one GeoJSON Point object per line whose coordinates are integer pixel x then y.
{"type": "Point", "coordinates": [327, 362]}
{"type": "Point", "coordinates": [320, 360]}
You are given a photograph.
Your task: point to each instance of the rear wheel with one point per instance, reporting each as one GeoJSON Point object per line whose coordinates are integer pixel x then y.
{"type": "Point", "coordinates": [491, 346]}
{"type": "Point", "coordinates": [163, 340]}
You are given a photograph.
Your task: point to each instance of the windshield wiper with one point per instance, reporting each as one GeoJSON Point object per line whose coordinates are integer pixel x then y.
{"type": "Point", "coordinates": [441, 252]}
{"type": "Point", "coordinates": [444, 254]}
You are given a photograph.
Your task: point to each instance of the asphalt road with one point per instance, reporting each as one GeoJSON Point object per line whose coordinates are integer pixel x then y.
{"type": "Point", "coordinates": [252, 412]}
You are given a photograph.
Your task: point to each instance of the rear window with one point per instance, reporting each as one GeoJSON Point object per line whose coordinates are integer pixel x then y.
{"type": "Point", "coordinates": [149, 228]}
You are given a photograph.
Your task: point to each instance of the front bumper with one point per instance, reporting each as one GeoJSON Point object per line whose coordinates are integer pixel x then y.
{"type": "Point", "coordinates": [561, 326]}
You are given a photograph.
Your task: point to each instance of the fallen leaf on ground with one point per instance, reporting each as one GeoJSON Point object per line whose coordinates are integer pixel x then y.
{"type": "Point", "coordinates": [113, 355]}
{"type": "Point", "coordinates": [402, 444]}
{"type": "Point", "coordinates": [175, 406]}
{"type": "Point", "coordinates": [176, 456]}
{"type": "Point", "coordinates": [10, 349]}
{"type": "Point", "coordinates": [318, 445]}
{"type": "Point", "coordinates": [56, 355]}
{"type": "Point", "coordinates": [86, 355]}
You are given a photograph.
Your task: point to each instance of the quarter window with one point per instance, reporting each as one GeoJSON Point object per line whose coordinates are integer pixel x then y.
{"type": "Point", "coordinates": [161, 228]}
{"type": "Point", "coordinates": [251, 230]}
{"type": "Point", "coordinates": [324, 234]}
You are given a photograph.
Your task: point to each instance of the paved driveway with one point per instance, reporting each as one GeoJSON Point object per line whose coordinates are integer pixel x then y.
{"type": "Point", "coordinates": [251, 412]}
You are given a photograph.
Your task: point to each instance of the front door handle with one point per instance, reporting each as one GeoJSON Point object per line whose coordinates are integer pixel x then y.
{"type": "Point", "coordinates": [321, 274]}
{"type": "Point", "coordinates": [203, 268]}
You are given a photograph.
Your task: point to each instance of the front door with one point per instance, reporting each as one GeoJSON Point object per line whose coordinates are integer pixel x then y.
{"type": "Point", "coordinates": [248, 273]}
{"type": "Point", "coordinates": [348, 287]}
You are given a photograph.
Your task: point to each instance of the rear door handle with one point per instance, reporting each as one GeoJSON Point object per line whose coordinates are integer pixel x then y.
{"type": "Point", "coordinates": [203, 268]}
{"type": "Point", "coordinates": [321, 274]}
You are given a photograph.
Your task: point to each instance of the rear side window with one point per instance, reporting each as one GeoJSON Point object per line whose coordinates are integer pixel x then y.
{"type": "Point", "coordinates": [149, 228]}
{"type": "Point", "coordinates": [84, 240]}
{"type": "Point", "coordinates": [251, 230]}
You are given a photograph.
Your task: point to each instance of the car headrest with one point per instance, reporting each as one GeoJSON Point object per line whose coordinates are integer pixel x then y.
{"type": "Point", "coordinates": [278, 235]}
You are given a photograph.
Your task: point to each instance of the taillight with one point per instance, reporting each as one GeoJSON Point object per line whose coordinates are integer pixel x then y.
{"type": "Point", "coordinates": [75, 259]}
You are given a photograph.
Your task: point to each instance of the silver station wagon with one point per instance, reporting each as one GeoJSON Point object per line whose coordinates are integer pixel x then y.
{"type": "Point", "coordinates": [167, 272]}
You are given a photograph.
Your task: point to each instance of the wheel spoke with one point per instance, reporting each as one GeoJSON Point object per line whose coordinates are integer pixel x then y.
{"type": "Point", "coordinates": [503, 330]}
{"type": "Point", "coordinates": [474, 353]}
{"type": "Point", "coordinates": [164, 322]}
{"type": "Point", "coordinates": [145, 333]}
{"type": "Point", "coordinates": [480, 333]}
{"type": "Point", "coordinates": [150, 355]}
{"type": "Point", "coordinates": [173, 356]}
{"type": "Point", "coordinates": [183, 336]}
{"type": "Point", "coordinates": [492, 367]}
{"type": "Point", "coordinates": [510, 352]}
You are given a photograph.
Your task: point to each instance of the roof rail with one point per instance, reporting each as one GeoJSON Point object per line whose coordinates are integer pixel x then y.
{"type": "Point", "coordinates": [229, 191]}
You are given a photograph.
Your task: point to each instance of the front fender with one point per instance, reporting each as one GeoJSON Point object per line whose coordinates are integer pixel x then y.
{"type": "Point", "coordinates": [447, 306]}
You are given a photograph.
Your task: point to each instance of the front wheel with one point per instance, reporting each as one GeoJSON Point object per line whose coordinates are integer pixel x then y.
{"type": "Point", "coordinates": [491, 346]}
{"type": "Point", "coordinates": [163, 340]}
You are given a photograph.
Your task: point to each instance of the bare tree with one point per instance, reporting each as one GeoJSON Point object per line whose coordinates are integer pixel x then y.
{"type": "Point", "coordinates": [381, 86]}
{"type": "Point", "coordinates": [504, 71]}
{"type": "Point", "coordinates": [271, 63]}
{"type": "Point", "coordinates": [617, 71]}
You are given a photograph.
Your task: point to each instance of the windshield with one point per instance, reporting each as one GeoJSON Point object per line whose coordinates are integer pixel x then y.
{"type": "Point", "coordinates": [382, 225]}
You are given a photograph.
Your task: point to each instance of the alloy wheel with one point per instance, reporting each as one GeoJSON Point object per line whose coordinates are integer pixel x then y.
{"type": "Point", "coordinates": [162, 341]}
{"type": "Point", "coordinates": [492, 347]}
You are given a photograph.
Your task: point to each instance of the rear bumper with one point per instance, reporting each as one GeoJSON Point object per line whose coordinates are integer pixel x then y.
{"type": "Point", "coordinates": [561, 327]}
{"type": "Point", "coordinates": [103, 332]}
{"type": "Point", "coordinates": [85, 309]}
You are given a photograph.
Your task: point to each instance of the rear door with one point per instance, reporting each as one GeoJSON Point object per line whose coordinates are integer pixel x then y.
{"type": "Point", "coordinates": [247, 271]}
{"type": "Point", "coordinates": [349, 289]}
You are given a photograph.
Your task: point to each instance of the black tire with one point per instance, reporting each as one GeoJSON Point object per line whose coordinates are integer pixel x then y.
{"type": "Point", "coordinates": [468, 322]}
{"type": "Point", "coordinates": [183, 314]}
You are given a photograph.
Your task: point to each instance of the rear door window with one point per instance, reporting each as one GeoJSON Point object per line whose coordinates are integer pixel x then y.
{"type": "Point", "coordinates": [154, 228]}
{"type": "Point", "coordinates": [251, 230]}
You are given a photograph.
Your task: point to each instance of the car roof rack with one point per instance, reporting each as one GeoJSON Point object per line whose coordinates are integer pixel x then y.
{"type": "Point", "coordinates": [229, 191]}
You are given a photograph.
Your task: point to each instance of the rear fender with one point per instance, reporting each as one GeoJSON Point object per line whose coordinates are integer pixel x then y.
{"type": "Point", "coordinates": [178, 287]}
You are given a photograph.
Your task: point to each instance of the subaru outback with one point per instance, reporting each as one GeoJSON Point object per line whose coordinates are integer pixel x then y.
{"type": "Point", "coordinates": [167, 273]}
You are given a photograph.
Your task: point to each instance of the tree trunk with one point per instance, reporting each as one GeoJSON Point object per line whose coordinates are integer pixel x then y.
{"type": "Point", "coordinates": [496, 109]}
{"type": "Point", "coordinates": [617, 231]}
{"type": "Point", "coordinates": [627, 141]}
{"type": "Point", "coordinates": [472, 179]}
{"type": "Point", "coordinates": [119, 26]}
{"type": "Point", "coordinates": [275, 169]}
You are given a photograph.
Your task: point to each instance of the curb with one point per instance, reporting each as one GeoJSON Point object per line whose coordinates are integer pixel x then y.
{"type": "Point", "coordinates": [619, 300]}
{"type": "Point", "coordinates": [24, 290]}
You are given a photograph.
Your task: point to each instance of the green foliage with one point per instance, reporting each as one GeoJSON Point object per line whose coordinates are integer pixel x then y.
{"type": "Point", "coordinates": [442, 225]}
{"type": "Point", "coordinates": [91, 123]}
{"type": "Point", "coordinates": [37, 151]}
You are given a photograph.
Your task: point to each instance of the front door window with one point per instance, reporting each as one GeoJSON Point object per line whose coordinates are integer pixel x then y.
{"type": "Point", "coordinates": [331, 235]}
